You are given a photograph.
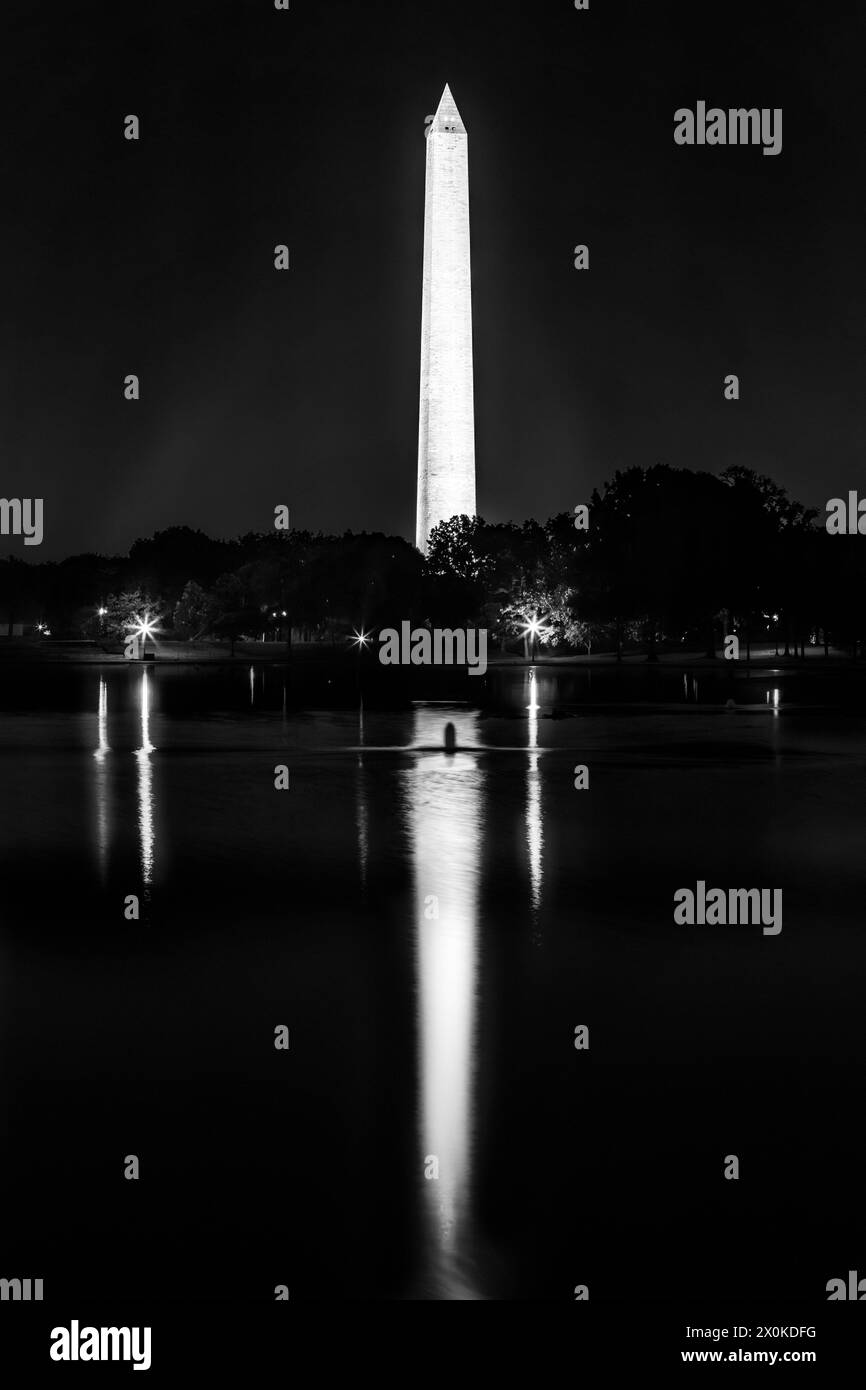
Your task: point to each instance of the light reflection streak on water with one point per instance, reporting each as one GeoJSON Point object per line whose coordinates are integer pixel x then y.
{"type": "Point", "coordinates": [362, 812]}
{"type": "Point", "coordinates": [103, 816]}
{"type": "Point", "coordinates": [534, 820]}
{"type": "Point", "coordinates": [145, 786]}
{"type": "Point", "coordinates": [443, 803]}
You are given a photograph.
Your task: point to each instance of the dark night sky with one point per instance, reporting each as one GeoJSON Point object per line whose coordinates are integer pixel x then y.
{"type": "Point", "coordinates": [261, 127]}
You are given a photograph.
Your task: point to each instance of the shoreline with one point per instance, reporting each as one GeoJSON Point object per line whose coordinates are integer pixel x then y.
{"type": "Point", "coordinates": [20, 653]}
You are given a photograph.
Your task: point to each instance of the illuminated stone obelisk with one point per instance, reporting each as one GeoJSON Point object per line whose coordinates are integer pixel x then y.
{"type": "Point", "coordinates": [446, 429]}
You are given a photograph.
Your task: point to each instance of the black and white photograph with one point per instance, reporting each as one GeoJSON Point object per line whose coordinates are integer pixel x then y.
{"type": "Point", "coordinates": [432, 679]}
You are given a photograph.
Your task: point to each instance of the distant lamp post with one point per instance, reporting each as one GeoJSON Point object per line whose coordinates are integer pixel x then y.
{"type": "Point", "coordinates": [361, 640]}
{"type": "Point", "coordinates": [279, 616]}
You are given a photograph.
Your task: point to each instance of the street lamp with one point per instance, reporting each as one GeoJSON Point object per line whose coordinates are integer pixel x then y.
{"type": "Point", "coordinates": [534, 629]}
{"type": "Point", "coordinates": [361, 640]}
{"type": "Point", "coordinates": [143, 628]}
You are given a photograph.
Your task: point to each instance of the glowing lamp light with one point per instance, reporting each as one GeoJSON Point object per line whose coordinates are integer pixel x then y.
{"type": "Point", "coordinates": [143, 627]}
{"type": "Point", "coordinates": [535, 628]}
{"type": "Point", "coordinates": [361, 639]}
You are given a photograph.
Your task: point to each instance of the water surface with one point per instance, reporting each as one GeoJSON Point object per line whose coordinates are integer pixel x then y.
{"type": "Point", "coordinates": [432, 928]}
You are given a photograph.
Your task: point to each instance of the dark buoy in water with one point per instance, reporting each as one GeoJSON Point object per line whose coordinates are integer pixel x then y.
{"type": "Point", "coordinates": [450, 739]}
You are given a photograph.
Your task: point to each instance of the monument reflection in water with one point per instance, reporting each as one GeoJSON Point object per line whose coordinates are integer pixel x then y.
{"type": "Point", "coordinates": [443, 800]}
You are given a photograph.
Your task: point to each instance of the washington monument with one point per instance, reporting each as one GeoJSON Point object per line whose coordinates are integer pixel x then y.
{"type": "Point", "coordinates": [446, 429]}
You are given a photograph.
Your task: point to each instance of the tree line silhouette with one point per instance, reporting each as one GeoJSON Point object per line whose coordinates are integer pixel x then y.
{"type": "Point", "coordinates": [671, 559]}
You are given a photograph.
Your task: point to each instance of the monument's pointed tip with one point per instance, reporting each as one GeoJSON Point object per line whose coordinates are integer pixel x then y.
{"type": "Point", "coordinates": [447, 116]}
